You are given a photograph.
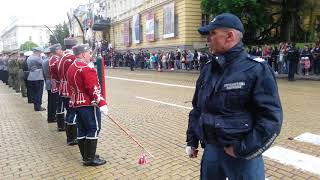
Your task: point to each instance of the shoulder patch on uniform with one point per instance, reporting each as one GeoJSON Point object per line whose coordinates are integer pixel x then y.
{"type": "Point", "coordinates": [208, 62]}
{"type": "Point", "coordinates": [257, 59]}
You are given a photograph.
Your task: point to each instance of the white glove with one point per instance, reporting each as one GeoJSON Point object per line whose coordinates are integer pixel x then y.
{"type": "Point", "coordinates": [104, 109]}
{"type": "Point", "coordinates": [191, 152]}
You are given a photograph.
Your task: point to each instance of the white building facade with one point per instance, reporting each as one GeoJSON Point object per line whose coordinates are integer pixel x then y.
{"type": "Point", "coordinates": [20, 30]}
{"type": "Point", "coordinates": [115, 8]}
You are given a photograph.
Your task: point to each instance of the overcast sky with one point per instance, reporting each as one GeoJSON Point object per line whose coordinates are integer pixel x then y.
{"type": "Point", "coordinates": [50, 11]}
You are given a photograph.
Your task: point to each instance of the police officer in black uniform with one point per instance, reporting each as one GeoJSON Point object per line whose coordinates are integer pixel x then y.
{"type": "Point", "coordinates": [293, 58]}
{"type": "Point", "coordinates": [236, 112]}
{"type": "Point", "coordinates": [316, 55]}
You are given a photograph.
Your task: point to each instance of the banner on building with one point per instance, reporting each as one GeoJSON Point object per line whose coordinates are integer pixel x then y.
{"type": "Point", "coordinates": [150, 26]}
{"type": "Point", "coordinates": [168, 20]}
{"type": "Point", "coordinates": [136, 29]}
{"type": "Point", "coordinates": [126, 33]}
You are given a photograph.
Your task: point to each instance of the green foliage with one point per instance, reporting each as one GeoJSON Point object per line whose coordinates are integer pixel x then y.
{"type": "Point", "coordinates": [254, 14]}
{"type": "Point", "coordinates": [27, 46]}
{"type": "Point", "coordinates": [60, 32]}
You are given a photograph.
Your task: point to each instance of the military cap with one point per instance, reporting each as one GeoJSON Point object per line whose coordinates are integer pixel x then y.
{"type": "Point", "coordinates": [47, 50]}
{"type": "Point", "coordinates": [39, 49]}
{"type": "Point", "coordinates": [82, 48]}
{"type": "Point", "coordinates": [70, 41]}
{"type": "Point", "coordinates": [224, 20]}
{"type": "Point", "coordinates": [55, 47]}
{"type": "Point", "coordinates": [28, 53]}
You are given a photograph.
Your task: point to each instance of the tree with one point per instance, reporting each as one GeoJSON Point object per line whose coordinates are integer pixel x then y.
{"type": "Point", "coordinates": [27, 46]}
{"type": "Point", "coordinates": [269, 20]}
{"type": "Point", "coordinates": [291, 13]}
{"type": "Point", "coordinates": [60, 32]}
{"type": "Point", "coordinates": [254, 14]}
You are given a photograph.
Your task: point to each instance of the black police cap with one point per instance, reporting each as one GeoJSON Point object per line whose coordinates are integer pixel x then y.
{"type": "Point", "coordinates": [224, 20]}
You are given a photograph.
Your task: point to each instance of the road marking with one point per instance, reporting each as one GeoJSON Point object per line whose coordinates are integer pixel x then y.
{"type": "Point", "coordinates": [150, 82]}
{"type": "Point", "coordinates": [309, 138]}
{"type": "Point", "coordinates": [138, 74]}
{"type": "Point", "coordinates": [298, 160]}
{"type": "Point", "coordinates": [161, 102]}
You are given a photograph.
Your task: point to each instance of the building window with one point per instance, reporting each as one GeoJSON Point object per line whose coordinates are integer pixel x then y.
{"type": "Point", "coordinates": [205, 19]}
{"type": "Point", "coordinates": [30, 38]}
{"type": "Point", "coordinates": [176, 25]}
{"type": "Point", "coordinates": [156, 30]}
{"type": "Point", "coordinates": [141, 33]}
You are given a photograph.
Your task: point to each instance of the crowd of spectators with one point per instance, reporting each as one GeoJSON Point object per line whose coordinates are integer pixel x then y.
{"type": "Point", "coordinates": [276, 55]}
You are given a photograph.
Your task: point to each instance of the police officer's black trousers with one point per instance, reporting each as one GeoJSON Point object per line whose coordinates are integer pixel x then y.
{"type": "Point", "coordinates": [131, 66]}
{"type": "Point", "coordinates": [5, 77]}
{"type": "Point", "coordinates": [1, 75]}
{"type": "Point", "coordinates": [292, 70]}
{"type": "Point", "coordinates": [52, 106]}
{"type": "Point", "coordinates": [317, 66]}
{"type": "Point", "coordinates": [37, 90]}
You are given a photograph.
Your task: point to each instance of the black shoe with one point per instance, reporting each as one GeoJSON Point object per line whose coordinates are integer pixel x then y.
{"type": "Point", "coordinates": [81, 144]}
{"type": "Point", "coordinates": [90, 154]}
{"type": "Point", "coordinates": [60, 122]}
{"type": "Point", "coordinates": [52, 120]}
{"type": "Point", "coordinates": [73, 142]}
{"type": "Point", "coordinates": [39, 109]}
{"type": "Point", "coordinates": [71, 132]}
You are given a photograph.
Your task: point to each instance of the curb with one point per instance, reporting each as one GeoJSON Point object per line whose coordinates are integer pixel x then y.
{"type": "Point", "coordinates": [279, 76]}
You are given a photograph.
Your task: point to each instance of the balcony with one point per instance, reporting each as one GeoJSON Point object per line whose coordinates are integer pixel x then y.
{"type": "Point", "coordinates": [101, 24]}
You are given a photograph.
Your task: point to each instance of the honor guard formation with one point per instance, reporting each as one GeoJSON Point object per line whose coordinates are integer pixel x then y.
{"type": "Point", "coordinates": [75, 102]}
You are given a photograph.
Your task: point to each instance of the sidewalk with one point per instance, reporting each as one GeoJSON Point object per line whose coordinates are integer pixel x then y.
{"type": "Point", "coordinates": [30, 148]}
{"type": "Point", "coordinates": [279, 76]}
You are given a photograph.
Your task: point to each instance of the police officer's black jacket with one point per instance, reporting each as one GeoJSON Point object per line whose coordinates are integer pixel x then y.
{"type": "Point", "coordinates": [236, 102]}
{"type": "Point", "coordinates": [293, 55]}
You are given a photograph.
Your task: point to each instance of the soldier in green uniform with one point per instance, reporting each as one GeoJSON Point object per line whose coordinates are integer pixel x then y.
{"type": "Point", "coordinates": [16, 84]}
{"type": "Point", "coordinates": [5, 69]}
{"type": "Point", "coordinates": [10, 70]}
{"type": "Point", "coordinates": [1, 67]}
{"type": "Point", "coordinates": [21, 81]}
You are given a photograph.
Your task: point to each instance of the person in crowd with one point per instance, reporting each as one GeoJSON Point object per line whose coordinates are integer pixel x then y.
{"type": "Point", "coordinates": [316, 57]}
{"type": "Point", "coordinates": [305, 61]}
{"type": "Point", "coordinates": [196, 60]}
{"type": "Point", "coordinates": [178, 60]}
{"type": "Point", "coordinates": [275, 58]}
